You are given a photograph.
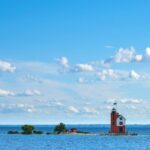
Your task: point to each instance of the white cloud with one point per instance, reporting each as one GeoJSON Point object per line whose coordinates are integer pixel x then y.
{"type": "Point", "coordinates": [112, 74]}
{"type": "Point", "coordinates": [90, 110]}
{"type": "Point", "coordinates": [147, 51]}
{"type": "Point", "coordinates": [138, 58]}
{"type": "Point", "coordinates": [134, 75]}
{"type": "Point", "coordinates": [104, 73]}
{"type": "Point", "coordinates": [59, 104]}
{"type": "Point", "coordinates": [29, 92]}
{"type": "Point", "coordinates": [32, 92]}
{"type": "Point", "coordinates": [30, 110]}
{"type": "Point", "coordinates": [11, 108]}
{"type": "Point", "coordinates": [125, 101]}
{"type": "Point", "coordinates": [108, 107]}
{"type": "Point", "coordinates": [63, 61]}
{"type": "Point", "coordinates": [67, 93]}
{"type": "Point", "coordinates": [124, 55]}
{"type": "Point", "coordinates": [83, 68]}
{"type": "Point", "coordinates": [6, 67]}
{"type": "Point", "coordinates": [73, 109]}
{"type": "Point", "coordinates": [131, 101]}
{"type": "Point", "coordinates": [6, 93]}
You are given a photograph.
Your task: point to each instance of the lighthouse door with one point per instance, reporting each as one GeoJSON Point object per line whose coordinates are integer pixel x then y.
{"type": "Point", "coordinates": [120, 130]}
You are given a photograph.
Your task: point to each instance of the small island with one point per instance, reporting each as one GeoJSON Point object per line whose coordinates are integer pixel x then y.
{"type": "Point", "coordinates": [61, 129]}
{"type": "Point", "coordinates": [27, 130]}
{"type": "Point", "coordinates": [58, 129]}
{"type": "Point", "coordinates": [117, 128]}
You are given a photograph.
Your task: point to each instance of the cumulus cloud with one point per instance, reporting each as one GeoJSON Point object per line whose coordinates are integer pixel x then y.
{"type": "Point", "coordinates": [83, 68]}
{"type": "Point", "coordinates": [124, 55]}
{"type": "Point", "coordinates": [147, 51]}
{"type": "Point", "coordinates": [134, 75]}
{"type": "Point", "coordinates": [6, 93]}
{"type": "Point", "coordinates": [118, 75]}
{"type": "Point", "coordinates": [6, 67]}
{"type": "Point", "coordinates": [127, 55]}
{"type": "Point", "coordinates": [63, 61]}
{"type": "Point", "coordinates": [112, 74]}
{"type": "Point", "coordinates": [139, 58]}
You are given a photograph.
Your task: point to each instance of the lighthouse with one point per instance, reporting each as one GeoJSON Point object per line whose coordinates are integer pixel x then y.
{"type": "Point", "coordinates": [118, 121]}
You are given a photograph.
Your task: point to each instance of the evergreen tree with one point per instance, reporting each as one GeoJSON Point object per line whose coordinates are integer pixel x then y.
{"type": "Point", "coordinates": [60, 128]}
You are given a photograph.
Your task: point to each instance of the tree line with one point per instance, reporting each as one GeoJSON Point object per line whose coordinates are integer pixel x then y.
{"type": "Point", "coordinates": [58, 129]}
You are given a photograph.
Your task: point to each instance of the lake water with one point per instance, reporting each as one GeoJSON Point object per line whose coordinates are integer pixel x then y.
{"type": "Point", "coordinates": [76, 142]}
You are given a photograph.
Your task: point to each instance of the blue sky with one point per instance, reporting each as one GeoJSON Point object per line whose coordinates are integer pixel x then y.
{"type": "Point", "coordinates": [70, 60]}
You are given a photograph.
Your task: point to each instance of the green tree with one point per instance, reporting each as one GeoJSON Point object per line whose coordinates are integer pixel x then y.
{"type": "Point", "coordinates": [27, 129]}
{"type": "Point", "coordinates": [60, 128]}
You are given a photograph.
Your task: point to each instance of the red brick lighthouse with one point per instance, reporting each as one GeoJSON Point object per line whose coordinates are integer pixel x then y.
{"type": "Point", "coordinates": [118, 122]}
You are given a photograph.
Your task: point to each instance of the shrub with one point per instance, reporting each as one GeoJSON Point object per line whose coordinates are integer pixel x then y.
{"type": "Point", "coordinates": [27, 129]}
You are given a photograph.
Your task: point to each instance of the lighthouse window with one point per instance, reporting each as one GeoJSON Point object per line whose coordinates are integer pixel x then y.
{"type": "Point", "coordinates": [121, 123]}
{"type": "Point", "coordinates": [120, 118]}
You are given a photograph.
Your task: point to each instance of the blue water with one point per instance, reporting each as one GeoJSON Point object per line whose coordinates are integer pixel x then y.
{"type": "Point", "coordinates": [76, 142]}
